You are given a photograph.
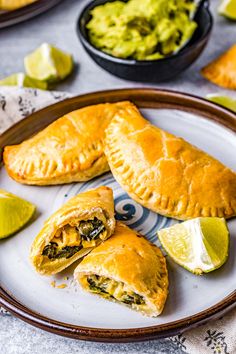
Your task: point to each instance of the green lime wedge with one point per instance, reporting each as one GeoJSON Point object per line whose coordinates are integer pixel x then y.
{"type": "Point", "coordinates": [199, 245]}
{"type": "Point", "coordinates": [48, 63]}
{"type": "Point", "coordinates": [224, 101]}
{"type": "Point", "coordinates": [22, 80]}
{"type": "Point", "coordinates": [14, 213]}
{"type": "Point", "coordinates": [228, 9]}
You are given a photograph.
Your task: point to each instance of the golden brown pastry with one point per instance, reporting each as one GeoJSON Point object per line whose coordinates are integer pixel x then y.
{"type": "Point", "coordinates": [14, 4]}
{"type": "Point", "coordinates": [68, 150]}
{"type": "Point", "coordinates": [222, 71]}
{"type": "Point", "coordinates": [74, 230]}
{"type": "Point", "coordinates": [165, 173]}
{"type": "Point", "coordinates": [129, 269]}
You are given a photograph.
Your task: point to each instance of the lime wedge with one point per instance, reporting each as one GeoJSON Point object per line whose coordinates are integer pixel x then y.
{"type": "Point", "coordinates": [224, 101]}
{"type": "Point", "coordinates": [22, 80]}
{"type": "Point", "coordinates": [228, 9]}
{"type": "Point", "coordinates": [14, 213]}
{"type": "Point", "coordinates": [48, 63]}
{"type": "Point", "coordinates": [199, 245]}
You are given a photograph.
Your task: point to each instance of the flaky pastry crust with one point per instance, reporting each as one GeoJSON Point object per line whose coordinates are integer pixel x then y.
{"type": "Point", "coordinates": [165, 173]}
{"type": "Point", "coordinates": [68, 150]}
{"type": "Point", "coordinates": [222, 70]}
{"type": "Point", "coordinates": [129, 258]}
{"type": "Point", "coordinates": [97, 203]}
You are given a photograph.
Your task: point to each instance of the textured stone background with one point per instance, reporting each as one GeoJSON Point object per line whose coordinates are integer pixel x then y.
{"type": "Point", "coordinates": [58, 27]}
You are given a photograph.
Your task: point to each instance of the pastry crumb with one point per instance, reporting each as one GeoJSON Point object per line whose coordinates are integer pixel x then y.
{"type": "Point", "coordinates": [60, 286]}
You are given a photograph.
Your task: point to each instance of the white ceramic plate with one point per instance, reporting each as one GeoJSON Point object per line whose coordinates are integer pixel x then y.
{"type": "Point", "coordinates": [189, 294]}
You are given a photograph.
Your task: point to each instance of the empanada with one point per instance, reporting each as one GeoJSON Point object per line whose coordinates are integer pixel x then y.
{"type": "Point", "coordinates": [14, 4]}
{"type": "Point", "coordinates": [129, 269]}
{"type": "Point", "coordinates": [74, 230]}
{"type": "Point", "coordinates": [68, 150]}
{"type": "Point", "coordinates": [222, 71]}
{"type": "Point", "coordinates": [165, 173]}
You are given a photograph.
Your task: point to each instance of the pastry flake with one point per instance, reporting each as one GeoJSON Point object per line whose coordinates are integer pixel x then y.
{"type": "Point", "coordinates": [68, 150]}
{"type": "Point", "coordinates": [222, 70]}
{"type": "Point", "coordinates": [128, 269]}
{"type": "Point", "coordinates": [74, 230]}
{"type": "Point", "coordinates": [166, 173]}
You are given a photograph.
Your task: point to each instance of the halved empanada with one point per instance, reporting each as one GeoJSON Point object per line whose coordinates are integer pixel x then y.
{"type": "Point", "coordinates": [222, 71]}
{"type": "Point", "coordinates": [165, 173]}
{"type": "Point", "coordinates": [129, 269]}
{"type": "Point", "coordinates": [74, 230]}
{"type": "Point", "coordinates": [68, 150]}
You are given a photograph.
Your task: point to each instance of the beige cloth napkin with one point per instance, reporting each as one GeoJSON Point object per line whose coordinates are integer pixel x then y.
{"type": "Point", "coordinates": [216, 337]}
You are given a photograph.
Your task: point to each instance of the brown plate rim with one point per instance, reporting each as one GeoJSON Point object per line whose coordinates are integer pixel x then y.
{"type": "Point", "coordinates": [144, 98]}
{"type": "Point", "coordinates": [10, 18]}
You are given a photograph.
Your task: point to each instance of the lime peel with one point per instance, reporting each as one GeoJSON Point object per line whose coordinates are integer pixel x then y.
{"type": "Point", "coordinates": [48, 63]}
{"type": "Point", "coordinates": [22, 80]}
{"type": "Point", "coordinates": [199, 245]}
{"type": "Point", "coordinates": [222, 100]}
{"type": "Point", "coordinates": [228, 9]}
{"type": "Point", "coordinates": [15, 213]}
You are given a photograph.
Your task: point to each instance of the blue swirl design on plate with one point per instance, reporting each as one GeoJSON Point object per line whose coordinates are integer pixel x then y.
{"type": "Point", "coordinates": [127, 210]}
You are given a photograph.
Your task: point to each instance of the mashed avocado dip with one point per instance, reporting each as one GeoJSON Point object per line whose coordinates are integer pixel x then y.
{"type": "Point", "coordinates": [142, 29]}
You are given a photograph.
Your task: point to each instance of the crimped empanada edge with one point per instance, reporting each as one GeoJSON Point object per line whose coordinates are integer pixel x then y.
{"type": "Point", "coordinates": [144, 195]}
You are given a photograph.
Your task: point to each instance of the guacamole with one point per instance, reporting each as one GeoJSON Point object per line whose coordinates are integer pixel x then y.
{"type": "Point", "coordinates": [141, 29]}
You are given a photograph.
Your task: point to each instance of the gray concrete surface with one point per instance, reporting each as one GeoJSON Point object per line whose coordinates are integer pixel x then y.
{"type": "Point", "coordinates": [17, 337]}
{"type": "Point", "coordinates": [57, 26]}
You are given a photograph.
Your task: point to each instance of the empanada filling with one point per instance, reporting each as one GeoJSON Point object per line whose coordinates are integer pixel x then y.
{"type": "Point", "coordinates": [113, 289]}
{"type": "Point", "coordinates": [53, 252]}
{"type": "Point", "coordinates": [90, 229]}
{"type": "Point", "coordinates": [70, 239]}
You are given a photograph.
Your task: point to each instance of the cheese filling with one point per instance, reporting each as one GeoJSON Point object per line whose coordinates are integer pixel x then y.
{"type": "Point", "coordinates": [113, 289]}
{"type": "Point", "coordinates": [70, 239]}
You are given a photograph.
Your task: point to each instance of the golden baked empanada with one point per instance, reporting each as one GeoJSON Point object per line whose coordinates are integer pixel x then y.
{"type": "Point", "coordinates": [165, 173]}
{"type": "Point", "coordinates": [74, 230]}
{"type": "Point", "coordinates": [222, 71]}
{"type": "Point", "coordinates": [129, 269]}
{"type": "Point", "coordinates": [14, 4]}
{"type": "Point", "coordinates": [68, 150]}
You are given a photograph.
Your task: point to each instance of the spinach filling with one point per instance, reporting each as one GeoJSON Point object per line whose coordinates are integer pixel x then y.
{"type": "Point", "coordinates": [94, 287]}
{"type": "Point", "coordinates": [53, 252]}
{"type": "Point", "coordinates": [133, 299]}
{"type": "Point", "coordinates": [100, 284]}
{"type": "Point", "coordinates": [88, 230]}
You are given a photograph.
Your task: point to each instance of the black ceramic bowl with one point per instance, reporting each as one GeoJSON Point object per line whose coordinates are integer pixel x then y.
{"type": "Point", "coordinates": [148, 70]}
